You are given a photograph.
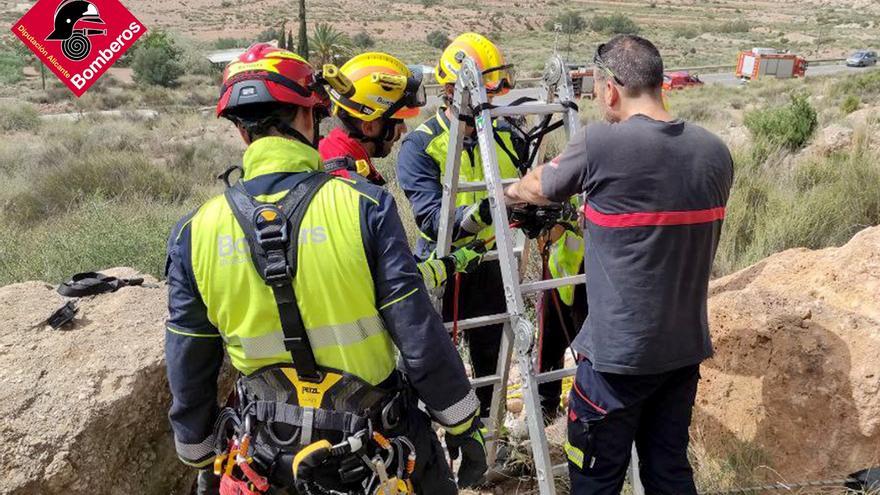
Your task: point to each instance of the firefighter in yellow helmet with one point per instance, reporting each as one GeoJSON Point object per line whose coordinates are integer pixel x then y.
{"type": "Point", "coordinates": [421, 166]}
{"type": "Point", "coordinates": [384, 91]}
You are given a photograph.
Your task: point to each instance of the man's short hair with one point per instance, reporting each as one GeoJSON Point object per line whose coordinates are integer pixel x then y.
{"type": "Point", "coordinates": [635, 62]}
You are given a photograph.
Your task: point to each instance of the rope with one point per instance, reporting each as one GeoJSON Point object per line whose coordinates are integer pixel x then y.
{"type": "Point", "coordinates": [840, 482]}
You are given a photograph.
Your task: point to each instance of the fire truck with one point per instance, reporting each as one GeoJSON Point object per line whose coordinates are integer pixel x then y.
{"type": "Point", "coordinates": [769, 62]}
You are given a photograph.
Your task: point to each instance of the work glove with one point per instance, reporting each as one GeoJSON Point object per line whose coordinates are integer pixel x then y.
{"type": "Point", "coordinates": [472, 448]}
{"type": "Point", "coordinates": [477, 217]}
{"type": "Point", "coordinates": [467, 258]}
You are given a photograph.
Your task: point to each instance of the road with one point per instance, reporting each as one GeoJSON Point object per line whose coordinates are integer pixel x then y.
{"type": "Point", "coordinates": [724, 79]}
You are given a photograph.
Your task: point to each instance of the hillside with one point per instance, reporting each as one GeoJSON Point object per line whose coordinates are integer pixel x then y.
{"type": "Point", "coordinates": [689, 32]}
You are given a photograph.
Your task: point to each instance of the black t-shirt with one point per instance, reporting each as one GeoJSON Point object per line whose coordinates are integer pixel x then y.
{"type": "Point", "coordinates": [655, 197]}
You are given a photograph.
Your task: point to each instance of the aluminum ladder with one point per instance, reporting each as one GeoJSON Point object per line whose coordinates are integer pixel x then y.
{"type": "Point", "coordinates": [518, 335]}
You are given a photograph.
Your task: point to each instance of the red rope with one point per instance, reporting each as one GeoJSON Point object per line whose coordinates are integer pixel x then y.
{"type": "Point", "coordinates": [455, 298]}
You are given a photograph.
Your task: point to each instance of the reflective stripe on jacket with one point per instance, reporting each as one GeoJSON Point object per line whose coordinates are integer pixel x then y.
{"type": "Point", "coordinates": [421, 165]}
{"type": "Point", "coordinates": [357, 286]}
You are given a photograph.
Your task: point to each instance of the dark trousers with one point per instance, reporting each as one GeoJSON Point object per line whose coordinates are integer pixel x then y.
{"type": "Point", "coordinates": [607, 412]}
{"type": "Point", "coordinates": [481, 293]}
{"type": "Point", "coordinates": [432, 475]}
{"type": "Point", "coordinates": [560, 325]}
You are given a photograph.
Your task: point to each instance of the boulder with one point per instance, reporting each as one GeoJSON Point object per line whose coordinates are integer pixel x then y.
{"type": "Point", "coordinates": [796, 375]}
{"type": "Point", "coordinates": [84, 409]}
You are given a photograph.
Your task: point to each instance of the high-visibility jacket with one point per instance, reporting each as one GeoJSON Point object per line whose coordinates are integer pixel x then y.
{"type": "Point", "coordinates": [360, 294]}
{"type": "Point", "coordinates": [421, 166]}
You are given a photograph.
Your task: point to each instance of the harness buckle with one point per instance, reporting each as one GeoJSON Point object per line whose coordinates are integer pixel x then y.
{"type": "Point", "coordinates": [271, 228]}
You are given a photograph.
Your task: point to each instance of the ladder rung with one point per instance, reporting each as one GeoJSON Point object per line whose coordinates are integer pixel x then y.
{"type": "Point", "coordinates": [485, 381]}
{"type": "Point", "coordinates": [560, 469]}
{"type": "Point", "coordinates": [550, 376]}
{"type": "Point", "coordinates": [528, 109]}
{"type": "Point", "coordinates": [493, 255]}
{"type": "Point", "coordinates": [480, 321]}
{"type": "Point", "coordinates": [552, 283]}
{"type": "Point", "coordinates": [481, 186]}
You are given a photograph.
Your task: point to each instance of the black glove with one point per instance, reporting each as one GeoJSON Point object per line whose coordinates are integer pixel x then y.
{"type": "Point", "coordinates": [472, 448]}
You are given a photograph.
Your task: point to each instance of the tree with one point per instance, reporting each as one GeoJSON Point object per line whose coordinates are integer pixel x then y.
{"type": "Point", "coordinates": [438, 39]}
{"type": "Point", "coordinates": [157, 60]}
{"type": "Point", "coordinates": [569, 23]}
{"type": "Point", "coordinates": [328, 44]}
{"type": "Point", "coordinates": [614, 24]}
{"type": "Point", "coordinates": [302, 46]}
{"type": "Point", "coordinates": [290, 40]}
{"type": "Point", "coordinates": [362, 40]}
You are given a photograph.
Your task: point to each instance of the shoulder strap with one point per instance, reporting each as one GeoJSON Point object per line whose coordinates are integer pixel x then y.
{"type": "Point", "coordinates": [272, 232]}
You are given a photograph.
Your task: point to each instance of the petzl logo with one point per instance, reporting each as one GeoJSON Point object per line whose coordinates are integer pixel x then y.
{"type": "Point", "coordinates": [78, 40]}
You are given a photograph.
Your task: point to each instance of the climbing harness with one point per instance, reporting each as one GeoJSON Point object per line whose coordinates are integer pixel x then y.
{"type": "Point", "coordinates": [301, 424]}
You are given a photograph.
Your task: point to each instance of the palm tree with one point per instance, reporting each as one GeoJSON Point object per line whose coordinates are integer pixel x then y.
{"type": "Point", "coordinates": [328, 43]}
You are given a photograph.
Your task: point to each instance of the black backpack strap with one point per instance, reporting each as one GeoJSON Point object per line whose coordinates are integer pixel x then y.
{"type": "Point", "coordinates": [272, 232]}
{"type": "Point", "coordinates": [340, 163]}
{"type": "Point", "coordinates": [93, 283]}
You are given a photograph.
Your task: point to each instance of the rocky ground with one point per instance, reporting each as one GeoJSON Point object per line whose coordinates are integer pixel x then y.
{"type": "Point", "coordinates": [795, 376]}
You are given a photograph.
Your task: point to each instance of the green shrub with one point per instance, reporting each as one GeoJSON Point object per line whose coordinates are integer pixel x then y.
{"type": "Point", "coordinates": [105, 173]}
{"type": "Point", "coordinates": [96, 234]}
{"type": "Point", "coordinates": [850, 104]}
{"type": "Point", "coordinates": [157, 60]}
{"type": "Point", "coordinates": [11, 65]}
{"type": "Point", "coordinates": [737, 26]}
{"type": "Point", "coordinates": [865, 85]}
{"type": "Point", "coordinates": [822, 203]}
{"type": "Point", "coordinates": [789, 126]}
{"type": "Point", "coordinates": [429, 3]}
{"type": "Point", "coordinates": [686, 32]}
{"type": "Point", "coordinates": [438, 39]}
{"type": "Point", "coordinates": [614, 24]}
{"type": "Point", "coordinates": [227, 43]}
{"type": "Point", "coordinates": [362, 40]}
{"type": "Point", "coordinates": [569, 22]}
{"type": "Point", "coordinates": [18, 117]}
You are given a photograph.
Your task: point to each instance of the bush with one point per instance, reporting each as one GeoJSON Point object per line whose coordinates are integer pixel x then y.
{"type": "Point", "coordinates": [438, 39]}
{"type": "Point", "coordinates": [865, 85]}
{"type": "Point", "coordinates": [429, 3]}
{"type": "Point", "coordinates": [685, 32]}
{"type": "Point", "coordinates": [11, 65]}
{"type": "Point", "coordinates": [226, 43]}
{"type": "Point", "coordinates": [789, 126]}
{"type": "Point", "coordinates": [103, 173]}
{"type": "Point", "coordinates": [737, 26]}
{"type": "Point", "coordinates": [157, 60]}
{"type": "Point", "coordinates": [850, 104]}
{"type": "Point", "coordinates": [19, 117]}
{"type": "Point", "coordinates": [362, 40]}
{"type": "Point", "coordinates": [614, 24]}
{"type": "Point", "coordinates": [99, 233]}
{"type": "Point", "coordinates": [569, 22]}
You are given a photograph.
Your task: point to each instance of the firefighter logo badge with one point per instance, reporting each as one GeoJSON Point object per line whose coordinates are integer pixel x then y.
{"type": "Point", "coordinates": [78, 40]}
{"type": "Point", "coordinates": [72, 27]}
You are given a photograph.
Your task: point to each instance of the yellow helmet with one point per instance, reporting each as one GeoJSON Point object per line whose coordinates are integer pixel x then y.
{"type": "Point", "coordinates": [497, 75]}
{"type": "Point", "coordinates": [382, 86]}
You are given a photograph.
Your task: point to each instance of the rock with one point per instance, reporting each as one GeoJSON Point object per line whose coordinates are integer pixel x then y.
{"type": "Point", "coordinates": [833, 138]}
{"type": "Point", "coordinates": [85, 410]}
{"type": "Point", "coordinates": [796, 373]}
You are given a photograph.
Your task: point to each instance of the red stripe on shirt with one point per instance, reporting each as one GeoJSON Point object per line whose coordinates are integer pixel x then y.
{"type": "Point", "coordinates": [653, 219]}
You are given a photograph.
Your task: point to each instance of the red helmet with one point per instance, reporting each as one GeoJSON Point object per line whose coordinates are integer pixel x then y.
{"type": "Point", "coordinates": [267, 74]}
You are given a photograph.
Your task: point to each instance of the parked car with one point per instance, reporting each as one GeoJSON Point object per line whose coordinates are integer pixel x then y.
{"type": "Point", "coordinates": [862, 58]}
{"type": "Point", "coordinates": [680, 80]}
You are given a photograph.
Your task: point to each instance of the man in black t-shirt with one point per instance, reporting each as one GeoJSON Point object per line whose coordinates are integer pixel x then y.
{"type": "Point", "coordinates": [655, 190]}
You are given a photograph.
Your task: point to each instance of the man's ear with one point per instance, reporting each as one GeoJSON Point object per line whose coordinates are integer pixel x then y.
{"type": "Point", "coordinates": [612, 94]}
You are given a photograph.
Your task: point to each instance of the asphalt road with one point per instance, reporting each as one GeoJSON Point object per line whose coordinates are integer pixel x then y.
{"type": "Point", "coordinates": [724, 79]}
